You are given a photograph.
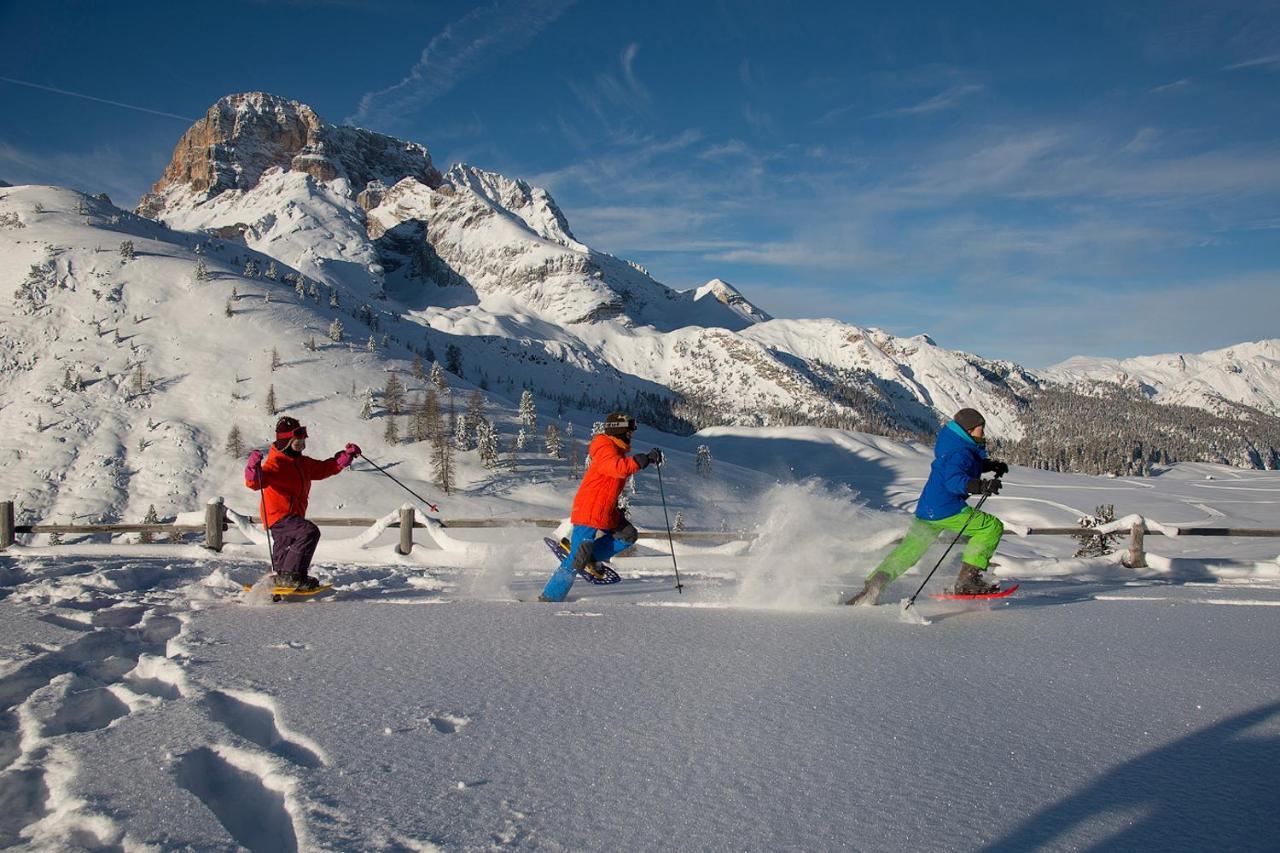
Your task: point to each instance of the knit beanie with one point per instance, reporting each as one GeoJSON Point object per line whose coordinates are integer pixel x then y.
{"type": "Point", "coordinates": [969, 419]}
{"type": "Point", "coordinates": [618, 424]}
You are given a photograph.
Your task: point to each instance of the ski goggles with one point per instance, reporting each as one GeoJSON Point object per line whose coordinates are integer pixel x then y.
{"type": "Point", "coordinates": [300, 432]}
{"type": "Point", "coordinates": [629, 423]}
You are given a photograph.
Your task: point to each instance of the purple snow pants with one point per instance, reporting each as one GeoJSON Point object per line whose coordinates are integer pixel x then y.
{"type": "Point", "coordinates": [293, 541]}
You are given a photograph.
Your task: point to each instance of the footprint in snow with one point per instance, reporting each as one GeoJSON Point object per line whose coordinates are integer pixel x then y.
{"type": "Point", "coordinates": [448, 724]}
{"type": "Point", "coordinates": [253, 717]}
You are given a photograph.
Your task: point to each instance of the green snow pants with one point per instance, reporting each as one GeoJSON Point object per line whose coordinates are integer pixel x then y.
{"type": "Point", "coordinates": [984, 532]}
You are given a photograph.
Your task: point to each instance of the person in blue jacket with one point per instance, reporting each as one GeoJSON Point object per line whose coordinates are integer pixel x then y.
{"type": "Point", "coordinates": [959, 461]}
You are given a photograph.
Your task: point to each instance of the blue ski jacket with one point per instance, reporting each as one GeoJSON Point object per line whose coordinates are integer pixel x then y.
{"type": "Point", "coordinates": [957, 459]}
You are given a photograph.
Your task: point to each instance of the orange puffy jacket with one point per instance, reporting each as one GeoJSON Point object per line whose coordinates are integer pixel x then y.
{"type": "Point", "coordinates": [286, 483]}
{"type": "Point", "coordinates": [596, 504]}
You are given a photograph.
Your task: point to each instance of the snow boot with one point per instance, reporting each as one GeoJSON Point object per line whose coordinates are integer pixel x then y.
{"type": "Point", "coordinates": [970, 582]}
{"type": "Point", "coordinates": [303, 584]}
{"type": "Point", "coordinates": [593, 569]}
{"type": "Point", "coordinates": [870, 590]}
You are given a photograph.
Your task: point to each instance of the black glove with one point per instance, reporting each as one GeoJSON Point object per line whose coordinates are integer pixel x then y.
{"type": "Point", "coordinates": [642, 459]}
{"type": "Point", "coordinates": [1001, 468]}
{"type": "Point", "coordinates": [979, 486]}
{"type": "Point", "coordinates": [655, 457]}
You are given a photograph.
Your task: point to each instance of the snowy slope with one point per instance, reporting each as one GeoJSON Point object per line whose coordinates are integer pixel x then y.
{"type": "Point", "coordinates": [423, 708]}
{"type": "Point", "coordinates": [1247, 373]}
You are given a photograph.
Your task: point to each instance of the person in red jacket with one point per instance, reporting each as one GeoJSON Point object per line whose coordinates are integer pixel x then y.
{"type": "Point", "coordinates": [595, 507]}
{"type": "Point", "coordinates": [285, 482]}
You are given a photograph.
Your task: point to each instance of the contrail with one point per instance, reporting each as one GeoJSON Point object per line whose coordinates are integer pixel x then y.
{"type": "Point", "coordinates": [92, 98]}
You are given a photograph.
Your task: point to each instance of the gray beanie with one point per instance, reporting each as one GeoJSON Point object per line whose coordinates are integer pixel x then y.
{"type": "Point", "coordinates": [969, 419]}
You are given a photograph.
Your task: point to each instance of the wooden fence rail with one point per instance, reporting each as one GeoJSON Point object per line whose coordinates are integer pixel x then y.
{"type": "Point", "coordinates": [216, 523]}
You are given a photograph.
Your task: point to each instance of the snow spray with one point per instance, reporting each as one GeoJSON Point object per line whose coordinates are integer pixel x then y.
{"type": "Point", "coordinates": [814, 541]}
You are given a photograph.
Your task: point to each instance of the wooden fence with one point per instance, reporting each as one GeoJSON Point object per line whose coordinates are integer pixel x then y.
{"type": "Point", "coordinates": [216, 523]}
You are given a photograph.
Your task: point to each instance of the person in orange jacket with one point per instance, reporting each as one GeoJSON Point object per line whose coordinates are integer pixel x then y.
{"type": "Point", "coordinates": [285, 482]}
{"type": "Point", "coordinates": [595, 507]}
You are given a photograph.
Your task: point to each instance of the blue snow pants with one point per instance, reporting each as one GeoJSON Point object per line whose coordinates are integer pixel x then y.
{"type": "Point", "coordinates": [583, 548]}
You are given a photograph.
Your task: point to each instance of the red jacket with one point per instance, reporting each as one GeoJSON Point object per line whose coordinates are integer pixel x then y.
{"type": "Point", "coordinates": [596, 504]}
{"type": "Point", "coordinates": [286, 483]}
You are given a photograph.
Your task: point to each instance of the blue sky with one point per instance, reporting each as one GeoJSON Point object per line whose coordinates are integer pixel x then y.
{"type": "Point", "coordinates": [1021, 180]}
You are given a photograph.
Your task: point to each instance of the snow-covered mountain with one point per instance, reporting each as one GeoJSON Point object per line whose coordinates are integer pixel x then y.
{"type": "Point", "coordinates": [493, 260]}
{"type": "Point", "coordinates": [1247, 374]}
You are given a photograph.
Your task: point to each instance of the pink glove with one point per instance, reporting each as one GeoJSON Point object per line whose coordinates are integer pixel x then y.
{"type": "Point", "coordinates": [347, 455]}
{"type": "Point", "coordinates": [253, 470]}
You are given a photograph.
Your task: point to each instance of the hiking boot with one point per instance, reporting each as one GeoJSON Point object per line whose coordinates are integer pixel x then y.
{"type": "Point", "coordinates": [870, 590]}
{"type": "Point", "coordinates": [970, 582]}
{"type": "Point", "coordinates": [593, 570]}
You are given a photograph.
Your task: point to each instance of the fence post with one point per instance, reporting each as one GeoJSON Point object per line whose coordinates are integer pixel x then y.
{"type": "Point", "coordinates": [1137, 557]}
{"type": "Point", "coordinates": [215, 515]}
{"type": "Point", "coordinates": [6, 524]}
{"type": "Point", "coordinates": [406, 529]}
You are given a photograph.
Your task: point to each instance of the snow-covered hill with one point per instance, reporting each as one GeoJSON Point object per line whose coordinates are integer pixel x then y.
{"type": "Point", "coordinates": [1247, 374]}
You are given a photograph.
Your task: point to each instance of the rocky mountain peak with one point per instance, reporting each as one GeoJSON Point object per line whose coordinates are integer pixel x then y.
{"type": "Point", "coordinates": [244, 135]}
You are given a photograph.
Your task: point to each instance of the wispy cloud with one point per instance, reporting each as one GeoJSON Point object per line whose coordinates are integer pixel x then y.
{"type": "Point", "coordinates": [944, 100]}
{"type": "Point", "coordinates": [1172, 87]}
{"type": "Point", "coordinates": [494, 30]}
{"type": "Point", "coordinates": [1272, 61]}
{"type": "Point", "coordinates": [134, 107]}
{"type": "Point", "coordinates": [629, 72]}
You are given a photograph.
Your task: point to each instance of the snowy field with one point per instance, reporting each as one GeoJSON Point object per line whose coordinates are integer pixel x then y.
{"type": "Point", "coordinates": [147, 703]}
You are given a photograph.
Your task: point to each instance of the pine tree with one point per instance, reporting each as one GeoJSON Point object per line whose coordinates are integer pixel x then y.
{"type": "Point", "coordinates": [366, 410]}
{"type": "Point", "coordinates": [272, 272]}
{"type": "Point", "coordinates": [475, 414]}
{"type": "Point", "coordinates": [460, 440]}
{"type": "Point", "coordinates": [141, 382]}
{"type": "Point", "coordinates": [679, 522]}
{"type": "Point", "coordinates": [68, 383]}
{"type": "Point", "coordinates": [528, 412]}
{"type": "Point", "coordinates": [251, 268]}
{"type": "Point", "coordinates": [521, 438]}
{"type": "Point", "coordinates": [275, 359]}
{"type": "Point", "coordinates": [437, 376]}
{"type": "Point", "coordinates": [442, 454]}
{"type": "Point", "coordinates": [235, 443]}
{"type": "Point", "coordinates": [703, 461]}
{"type": "Point", "coordinates": [271, 400]}
{"type": "Point", "coordinates": [311, 343]}
{"type": "Point", "coordinates": [553, 444]}
{"type": "Point", "coordinates": [202, 272]}
{"type": "Point", "coordinates": [126, 250]}
{"type": "Point", "coordinates": [228, 310]}
{"type": "Point", "coordinates": [393, 394]}
{"type": "Point", "coordinates": [391, 432]}
{"type": "Point", "coordinates": [146, 537]}
{"type": "Point", "coordinates": [333, 299]}
{"type": "Point", "coordinates": [371, 345]}
{"type": "Point", "coordinates": [453, 360]}
{"type": "Point", "coordinates": [419, 372]}
{"type": "Point", "coordinates": [335, 330]}
{"type": "Point", "coordinates": [575, 452]}
{"type": "Point", "coordinates": [487, 443]}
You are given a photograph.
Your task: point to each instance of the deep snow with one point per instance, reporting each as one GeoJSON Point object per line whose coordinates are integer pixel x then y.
{"type": "Point", "coordinates": [148, 704]}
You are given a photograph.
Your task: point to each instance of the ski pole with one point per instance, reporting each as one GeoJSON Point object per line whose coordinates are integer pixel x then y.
{"type": "Point", "coordinates": [670, 543]}
{"type": "Point", "coordinates": [262, 509]}
{"type": "Point", "coordinates": [434, 508]}
{"type": "Point", "coordinates": [963, 527]}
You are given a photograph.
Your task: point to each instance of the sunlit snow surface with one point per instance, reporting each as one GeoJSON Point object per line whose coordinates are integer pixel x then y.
{"type": "Point", "coordinates": [429, 703]}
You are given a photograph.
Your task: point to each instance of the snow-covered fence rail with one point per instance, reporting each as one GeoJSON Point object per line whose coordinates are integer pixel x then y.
{"type": "Point", "coordinates": [216, 522]}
